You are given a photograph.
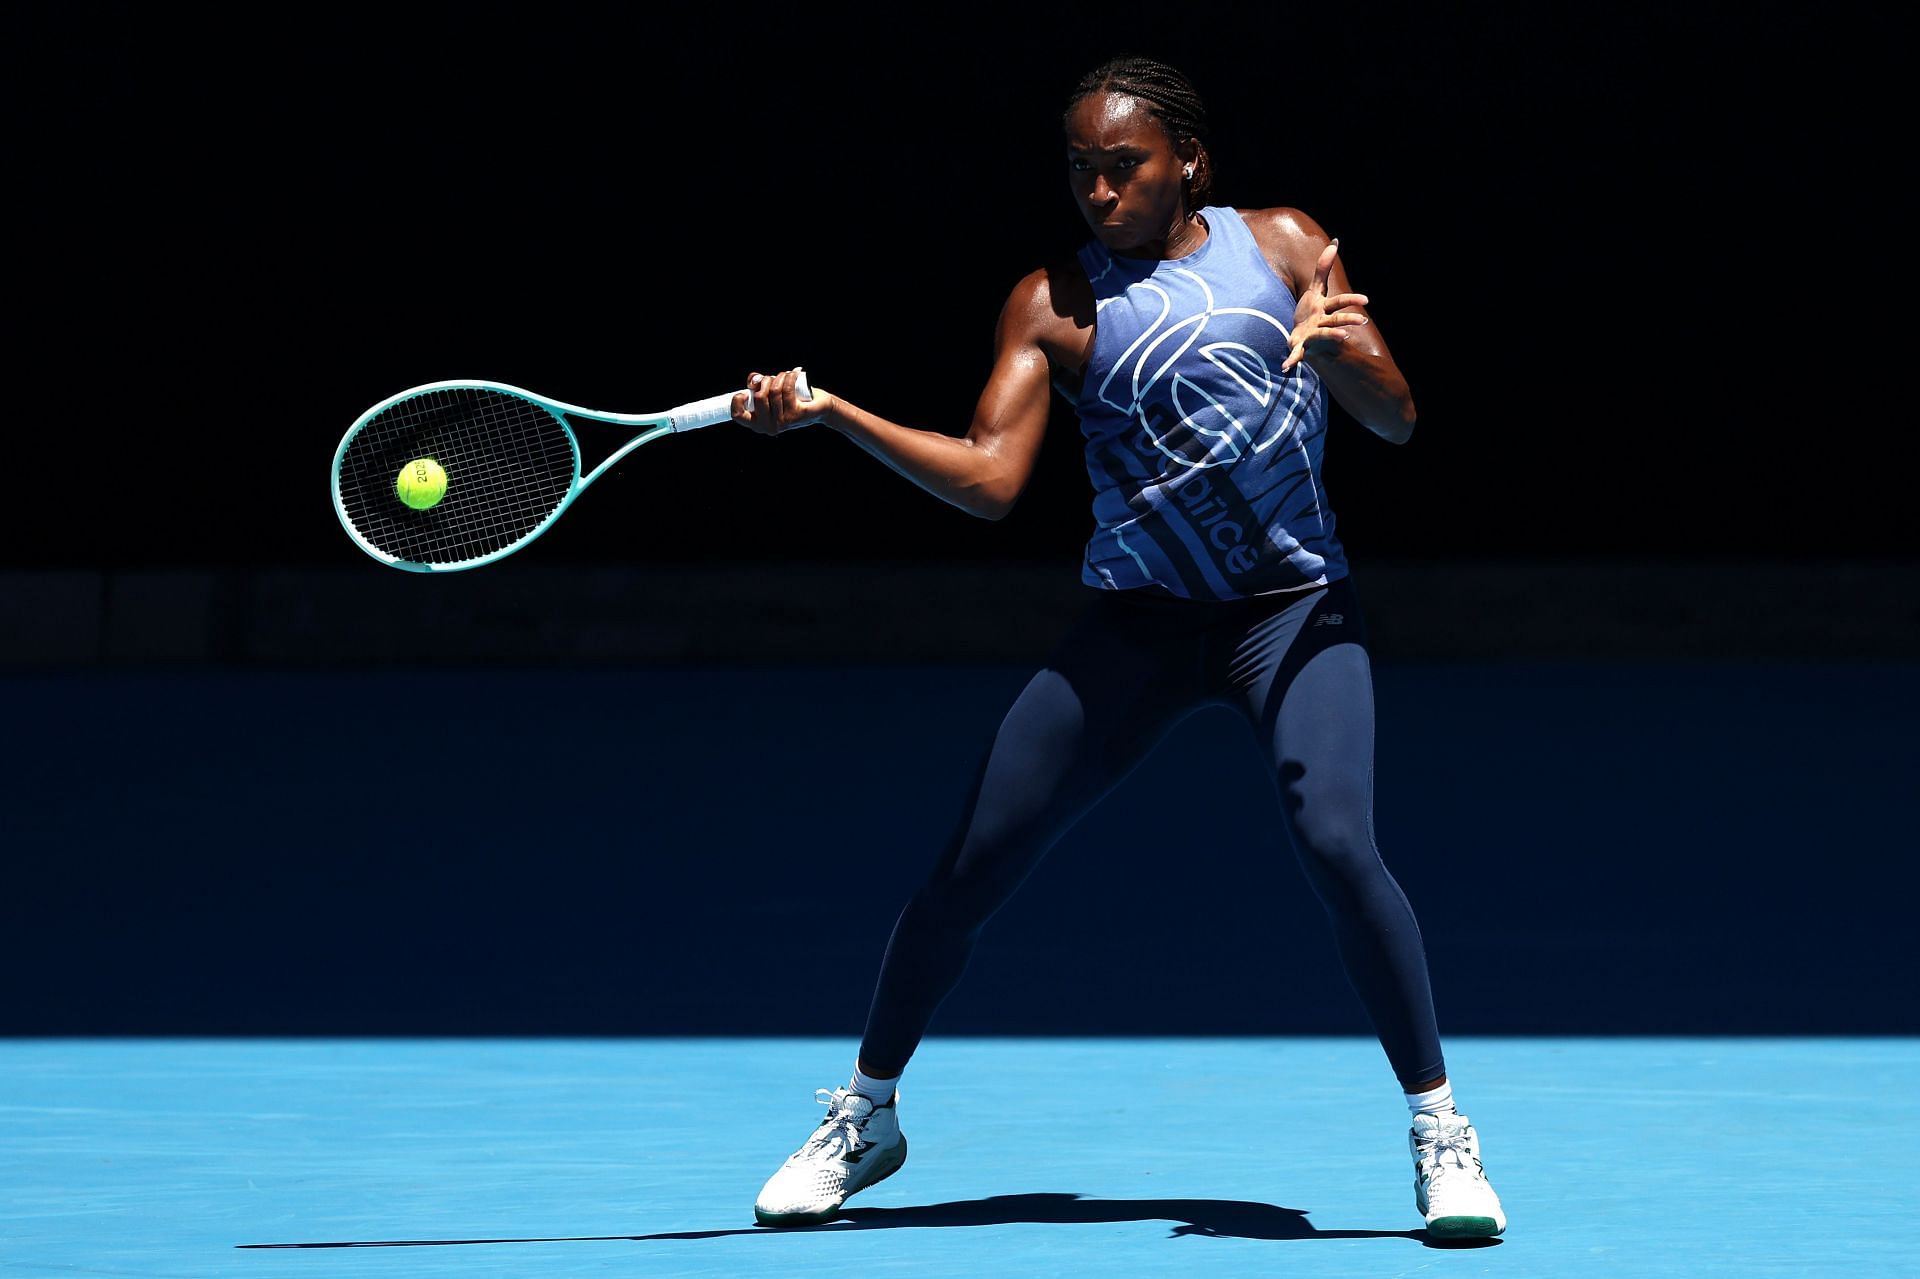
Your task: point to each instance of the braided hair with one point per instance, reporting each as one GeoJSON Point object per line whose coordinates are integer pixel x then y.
{"type": "Point", "coordinates": [1172, 100]}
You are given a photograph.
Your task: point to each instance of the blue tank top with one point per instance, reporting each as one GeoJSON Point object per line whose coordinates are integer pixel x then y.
{"type": "Point", "coordinates": [1204, 457]}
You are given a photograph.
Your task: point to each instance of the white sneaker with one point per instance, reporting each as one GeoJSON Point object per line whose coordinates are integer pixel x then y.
{"type": "Point", "coordinates": [857, 1145]}
{"type": "Point", "coordinates": [1449, 1186]}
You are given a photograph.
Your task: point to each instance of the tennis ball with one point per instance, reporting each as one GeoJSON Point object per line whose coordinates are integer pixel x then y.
{"type": "Point", "coordinates": [421, 483]}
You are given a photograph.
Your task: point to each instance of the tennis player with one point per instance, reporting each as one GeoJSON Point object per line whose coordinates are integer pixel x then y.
{"type": "Point", "coordinates": [1200, 345]}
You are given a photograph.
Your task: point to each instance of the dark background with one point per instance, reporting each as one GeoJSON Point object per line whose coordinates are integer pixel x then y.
{"type": "Point", "coordinates": [1626, 256]}
{"type": "Point", "coordinates": [1642, 586]}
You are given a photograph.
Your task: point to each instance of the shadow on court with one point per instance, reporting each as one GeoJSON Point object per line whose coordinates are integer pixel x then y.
{"type": "Point", "coordinates": [1218, 1218]}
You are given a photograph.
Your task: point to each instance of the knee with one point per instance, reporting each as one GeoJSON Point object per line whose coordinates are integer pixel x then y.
{"type": "Point", "coordinates": [954, 901]}
{"type": "Point", "coordinates": [1333, 834]}
{"type": "Point", "coordinates": [1338, 863]}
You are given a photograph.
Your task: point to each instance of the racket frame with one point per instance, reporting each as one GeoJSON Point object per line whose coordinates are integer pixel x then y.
{"type": "Point", "coordinates": [687, 417]}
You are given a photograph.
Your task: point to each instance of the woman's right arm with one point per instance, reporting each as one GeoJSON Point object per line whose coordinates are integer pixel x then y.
{"type": "Point", "coordinates": [982, 472]}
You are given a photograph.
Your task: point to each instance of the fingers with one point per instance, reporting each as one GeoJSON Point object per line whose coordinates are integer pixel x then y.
{"type": "Point", "coordinates": [1323, 322]}
{"type": "Point", "coordinates": [1323, 269]}
{"type": "Point", "coordinates": [772, 404]}
{"type": "Point", "coordinates": [1323, 333]}
{"type": "Point", "coordinates": [748, 411]}
{"type": "Point", "coordinates": [1323, 338]}
{"type": "Point", "coordinates": [744, 408]}
{"type": "Point", "coordinates": [1336, 306]}
{"type": "Point", "coordinates": [1336, 314]}
{"type": "Point", "coordinates": [783, 398]}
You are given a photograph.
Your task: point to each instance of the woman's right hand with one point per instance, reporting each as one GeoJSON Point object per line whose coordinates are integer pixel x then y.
{"type": "Point", "coordinates": [772, 404]}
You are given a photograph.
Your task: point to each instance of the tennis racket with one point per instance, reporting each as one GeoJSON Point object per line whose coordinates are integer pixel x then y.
{"type": "Point", "coordinates": [507, 458]}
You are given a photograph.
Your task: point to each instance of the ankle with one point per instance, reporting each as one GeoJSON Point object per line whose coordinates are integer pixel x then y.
{"type": "Point", "coordinates": [876, 1089]}
{"type": "Point", "coordinates": [1437, 1100]}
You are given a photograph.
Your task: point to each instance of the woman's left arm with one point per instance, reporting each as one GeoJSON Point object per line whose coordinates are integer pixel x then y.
{"type": "Point", "coordinates": [1331, 328]}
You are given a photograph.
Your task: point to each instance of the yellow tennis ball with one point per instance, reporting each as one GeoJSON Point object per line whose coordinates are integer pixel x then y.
{"type": "Point", "coordinates": [421, 483]}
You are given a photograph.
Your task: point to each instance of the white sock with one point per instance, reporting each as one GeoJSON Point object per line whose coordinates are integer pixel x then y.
{"type": "Point", "coordinates": [1437, 1102]}
{"type": "Point", "coordinates": [877, 1091]}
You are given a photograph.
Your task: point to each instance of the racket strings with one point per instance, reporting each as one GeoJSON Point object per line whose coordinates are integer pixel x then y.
{"type": "Point", "coordinates": [509, 464]}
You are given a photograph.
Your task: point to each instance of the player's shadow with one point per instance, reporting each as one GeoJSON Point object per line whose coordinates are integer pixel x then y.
{"type": "Point", "coordinates": [1218, 1218]}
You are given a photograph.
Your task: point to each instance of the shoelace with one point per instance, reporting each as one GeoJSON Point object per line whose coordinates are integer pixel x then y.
{"type": "Point", "coordinates": [840, 1125]}
{"type": "Point", "coordinates": [1448, 1141]}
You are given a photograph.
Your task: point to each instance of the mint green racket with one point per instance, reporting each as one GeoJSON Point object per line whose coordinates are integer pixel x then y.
{"type": "Point", "coordinates": [509, 459]}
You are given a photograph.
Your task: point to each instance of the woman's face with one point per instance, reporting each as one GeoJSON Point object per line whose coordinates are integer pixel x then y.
{"type": "Point", "coordinates": [1125, 173]}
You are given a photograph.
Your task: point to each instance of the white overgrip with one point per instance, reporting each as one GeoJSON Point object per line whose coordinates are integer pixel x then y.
{"type": "Point", "coordinates": [708, 412]}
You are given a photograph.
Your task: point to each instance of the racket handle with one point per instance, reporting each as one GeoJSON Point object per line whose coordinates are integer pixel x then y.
{"type": "Point", "coordinates": [719, 408]}
{"type": "Point", "coordinates": [708, 412]}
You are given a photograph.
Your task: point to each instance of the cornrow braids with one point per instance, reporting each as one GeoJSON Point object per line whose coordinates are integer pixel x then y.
{"type": "Point", "coordinates": [1172, 99]}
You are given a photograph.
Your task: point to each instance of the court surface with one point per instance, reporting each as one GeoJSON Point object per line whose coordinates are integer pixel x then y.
{"type": "Point", "coordinates": [1216, 1157]}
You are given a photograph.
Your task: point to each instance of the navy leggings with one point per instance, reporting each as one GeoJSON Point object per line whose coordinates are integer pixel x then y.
{"type": "Point", "coordinates": [1130, 667]}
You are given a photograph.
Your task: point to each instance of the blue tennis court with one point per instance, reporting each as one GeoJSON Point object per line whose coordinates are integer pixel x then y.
{"type": "Point", "coordinates": [464, 1157]}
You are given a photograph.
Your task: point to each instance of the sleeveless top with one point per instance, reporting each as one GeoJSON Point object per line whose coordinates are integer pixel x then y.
{"type": "Point", "coordinates": [1204, 457]}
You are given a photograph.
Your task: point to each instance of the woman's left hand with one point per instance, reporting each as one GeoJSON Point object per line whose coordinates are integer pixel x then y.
{"type": "Point", "coordinates": [1322, 323]}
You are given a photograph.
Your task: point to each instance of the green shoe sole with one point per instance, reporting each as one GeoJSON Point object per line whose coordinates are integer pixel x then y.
{"type": "Point", "coordinates": [1463, 1227]}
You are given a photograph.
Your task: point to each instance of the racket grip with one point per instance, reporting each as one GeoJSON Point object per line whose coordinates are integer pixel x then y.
{"type": "Point", "coordinates": [719, 408]}
{"type": "Point", "coordinates": [708, 412]}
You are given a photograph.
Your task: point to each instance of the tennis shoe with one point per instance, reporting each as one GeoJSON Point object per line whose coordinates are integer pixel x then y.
{"type": "Point", "coordinates": [857, 1145]}
{"type": "Point", "coordinates": [1450, 1187]}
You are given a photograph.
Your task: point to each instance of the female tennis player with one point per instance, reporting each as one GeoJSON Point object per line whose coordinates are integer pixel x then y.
{"type": "Point", "coordinates": [1200, 345]}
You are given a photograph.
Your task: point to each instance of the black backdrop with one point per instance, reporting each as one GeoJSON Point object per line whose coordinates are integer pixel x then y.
{"type": "Point", "coordinates": [1616, 249]}
{"type": "Point", "coordinates": [1636, 261]}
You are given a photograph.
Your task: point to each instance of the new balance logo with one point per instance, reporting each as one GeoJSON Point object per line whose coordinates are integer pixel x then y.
{"type": "Point", "coordinates": [1330, 619]}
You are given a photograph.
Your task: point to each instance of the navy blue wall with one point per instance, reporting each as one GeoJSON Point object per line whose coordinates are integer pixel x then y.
{"type": "Point", "coordinates": [1605, 848]}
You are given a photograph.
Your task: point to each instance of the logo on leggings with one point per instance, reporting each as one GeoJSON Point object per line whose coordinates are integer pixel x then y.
{"type": "Point", "coordinates": [1330, 619]}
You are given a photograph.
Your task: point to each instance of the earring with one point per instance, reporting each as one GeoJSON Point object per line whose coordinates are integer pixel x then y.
{"type": "Point", "coordinates": [1189, 173]}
